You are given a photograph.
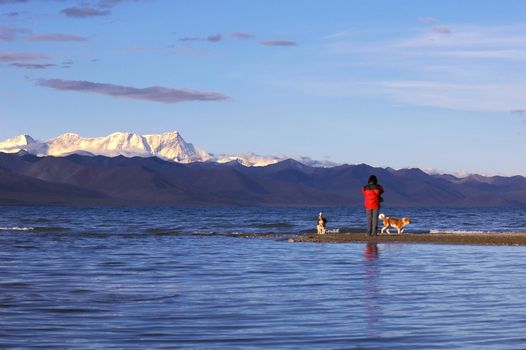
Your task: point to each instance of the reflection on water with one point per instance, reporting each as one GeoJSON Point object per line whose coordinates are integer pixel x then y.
{"type": "Point", "coordinates": [371, 251]}
{"type": "Point", "coordinates": [372, 289]}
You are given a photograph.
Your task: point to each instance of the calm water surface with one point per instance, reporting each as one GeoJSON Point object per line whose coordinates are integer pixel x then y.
{"type": "Point", "coordinates": [101, 278]}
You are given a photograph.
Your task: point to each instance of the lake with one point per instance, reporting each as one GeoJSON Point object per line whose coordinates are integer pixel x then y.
{"type": "Point", "coordinates": [203, 278]}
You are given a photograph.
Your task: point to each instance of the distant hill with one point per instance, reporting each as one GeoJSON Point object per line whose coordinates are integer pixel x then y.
{"type": "Point", "coordinates": [101, 180]}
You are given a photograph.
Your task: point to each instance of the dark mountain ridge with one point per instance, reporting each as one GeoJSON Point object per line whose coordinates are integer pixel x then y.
{"type": "Point", "coordinates": [100, 180]}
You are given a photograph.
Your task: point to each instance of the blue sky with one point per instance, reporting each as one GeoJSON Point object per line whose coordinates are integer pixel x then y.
{"type": "Point", "coordinates": [429, 84]}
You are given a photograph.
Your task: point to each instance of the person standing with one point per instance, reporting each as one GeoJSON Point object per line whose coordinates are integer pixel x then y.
{"type": "Point", "coordinates": [372, 193]}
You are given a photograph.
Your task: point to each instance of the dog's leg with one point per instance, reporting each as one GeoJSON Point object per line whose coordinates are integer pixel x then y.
{"type": "Point", "coordinates": [398, 229]}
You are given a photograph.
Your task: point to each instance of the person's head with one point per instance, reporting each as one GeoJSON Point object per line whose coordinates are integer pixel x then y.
{"type": "Point", "coordinates": [372, 180]}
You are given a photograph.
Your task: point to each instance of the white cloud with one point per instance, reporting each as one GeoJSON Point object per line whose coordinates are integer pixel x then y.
{"type": "Point", "coordinates": [460, 67]}
{"type": "Point", "coordinates": [464, 97]}
{"type": "Point", "coordinates": [466, 37]}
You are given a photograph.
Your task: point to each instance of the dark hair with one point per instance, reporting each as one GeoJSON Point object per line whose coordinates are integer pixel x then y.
{"type": "Point", "coordinates": [372, 180]}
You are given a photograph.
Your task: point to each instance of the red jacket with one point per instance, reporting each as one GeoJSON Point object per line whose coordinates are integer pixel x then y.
{"type": "Point", "coordinates": [372, 196]}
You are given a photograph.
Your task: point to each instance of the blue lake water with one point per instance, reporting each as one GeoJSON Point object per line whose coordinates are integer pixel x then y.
{"type": "Point", "coordinates": [152, 278]}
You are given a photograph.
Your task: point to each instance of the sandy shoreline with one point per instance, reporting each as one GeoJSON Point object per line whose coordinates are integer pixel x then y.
{"type": "Point", "coordinates": [508, 238]}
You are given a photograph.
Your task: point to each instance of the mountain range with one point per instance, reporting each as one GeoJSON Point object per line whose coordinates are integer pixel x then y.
{"type": "Point", "coordinates": [168, 146]}
{"type": "Point", "coordinates": [78, 179]}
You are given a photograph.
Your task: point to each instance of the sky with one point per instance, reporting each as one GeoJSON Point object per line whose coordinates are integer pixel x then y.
{"type": "Point", "coordinates": [438, 85]}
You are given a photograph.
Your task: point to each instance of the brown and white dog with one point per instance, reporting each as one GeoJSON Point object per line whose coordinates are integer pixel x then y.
{"type": "Point", "coordinates": [399, 224]}
{"type": "Point", "coordinates": [321, 224]}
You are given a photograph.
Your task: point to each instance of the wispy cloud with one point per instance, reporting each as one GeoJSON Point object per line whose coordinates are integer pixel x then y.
{"type": "Point", "coordinates": [102, 8]}
{"type": "Point", "coordinates": [214, 38]}
{"type": "Point", "coordinates": [465, 37]}
{"type": "Point", "coordinates": [84, 12]}
{"type": "Point", "coordinates": [459, 67]}
{"type": "Point", "coordinates": [55, 37]}
{"type": "Point", "coordinates": [154, 93]}
{"type": "Point", "coordinates": [190, 38]}
{"type": "Point", "coordinates": [469, 43]}
{"type": "Point", "coordinates": [489, 97]}
{"type": "Point", "coordinates": [20, 56]}
{"type": "Point", "coordinates": [242, 35]}
{"type": "Point", "coordinates": [10, 33]}
{"type": "Point", "coordinates": [33, 65]}
{"type": "Point", "coordinates": [278, 42]}
{"type": "Point", "coordinates": [67, 64]}
{"type": "Point", "coordinates": [211, 38]}
{"type": "Point", "coordinates": [480, 97]}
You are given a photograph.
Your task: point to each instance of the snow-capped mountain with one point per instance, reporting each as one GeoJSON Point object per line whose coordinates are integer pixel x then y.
{"type": "Point", "coordinates": [169, 146]}
{"type": "Point", "coordinates": [251, 159]}
{"type": "Point", "coordinates": [16, 143]}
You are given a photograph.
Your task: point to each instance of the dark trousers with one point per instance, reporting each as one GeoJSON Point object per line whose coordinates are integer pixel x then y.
{"type": "Point", "coordinates": [372, 221]}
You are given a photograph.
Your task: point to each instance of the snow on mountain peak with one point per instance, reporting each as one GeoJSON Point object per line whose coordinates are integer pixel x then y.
{"type": "Point", "coordinates": [16, 143]}
{"type": "Point", "coordinates": [249, 159]}
{"type": "Point", "coordinates": [169, 146]}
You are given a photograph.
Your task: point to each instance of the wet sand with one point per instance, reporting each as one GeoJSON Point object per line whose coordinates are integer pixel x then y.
{"type": "Point", "coordinates": [512, 238]}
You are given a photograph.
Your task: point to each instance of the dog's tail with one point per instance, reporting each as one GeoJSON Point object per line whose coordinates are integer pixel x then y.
{"type": "Point", "coordinates": [381, 216]}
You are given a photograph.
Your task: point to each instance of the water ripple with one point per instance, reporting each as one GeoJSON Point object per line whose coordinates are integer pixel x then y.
{"type": "Point", "coordinates": [93, 287]}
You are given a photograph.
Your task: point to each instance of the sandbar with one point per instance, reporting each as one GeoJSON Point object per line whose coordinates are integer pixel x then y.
{"type": "Point", "coordinates": [489, 238]}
